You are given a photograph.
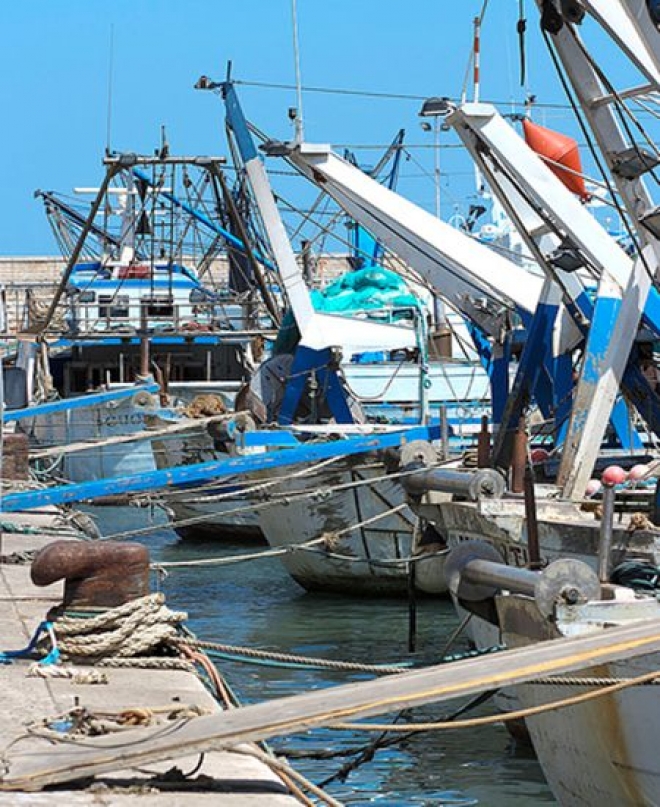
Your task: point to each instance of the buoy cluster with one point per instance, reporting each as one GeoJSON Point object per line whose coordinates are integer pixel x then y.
{"type": "Point", "coordinates": [616, 475]}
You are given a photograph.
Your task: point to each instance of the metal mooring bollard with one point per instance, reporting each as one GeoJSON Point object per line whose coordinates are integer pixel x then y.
{"type": "Point", "coordinates": [100, 574]}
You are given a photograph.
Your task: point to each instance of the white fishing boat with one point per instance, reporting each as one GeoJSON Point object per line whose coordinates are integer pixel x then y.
{"type": "Point", "coordinates": [356, 358]}
{"type": "Point", "coordinates": [603, 751]}
{"type": "Point", "coordinates": [595, 747]}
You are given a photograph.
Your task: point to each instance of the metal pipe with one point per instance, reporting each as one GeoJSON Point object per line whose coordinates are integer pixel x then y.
{"type": "Point", "coordinates": [519, 458]}
{"type": "Point", "coordinates": [500, 576]}
{"type": "Point", "coordinates": [483, 444]}
{"type": "Point", "coordinates": [482, 484]}
{"type": "Point", "coordinates": [606, 531]}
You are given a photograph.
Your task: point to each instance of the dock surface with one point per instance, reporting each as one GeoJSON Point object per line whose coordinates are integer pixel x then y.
{"type": "Point", "coordinates": [220, 778]}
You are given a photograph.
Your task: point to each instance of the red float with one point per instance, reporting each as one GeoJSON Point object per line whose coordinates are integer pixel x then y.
{"type": "Point", "coordinates": [562, 155]}
{"type": "Point", "coordinates": [614, 475]}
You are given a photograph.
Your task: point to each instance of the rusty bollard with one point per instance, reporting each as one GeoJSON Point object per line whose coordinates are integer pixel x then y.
{"type": "Point", "coordinates": [100, 574]}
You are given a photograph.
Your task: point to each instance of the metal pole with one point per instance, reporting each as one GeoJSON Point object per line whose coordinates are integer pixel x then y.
{"type": "Point", "coordinates": [606, 531]}
{"type": "Point", "coordinates": [412, 609]}
{"type": "Point", "coordinates": [436, 162]}
{"type": "Point", "coordinates": [444, 431]}
{"type": "Point", "coordinates": [500, 576]}
{"type": "Point", "coordinates": [533, 547]}
{"type": "Point", "coordinates": [144, 343]}
{"type": "Point", "coordinates": [519, 459]}
{"type": "Point", "coordinates": [238, 222]}
{"type": "Point", "coordinates": [111, 171]}
{"type": "Point", "coordinates": [483, 444]}
{"type": "Point", "coordinates": [474, 485]}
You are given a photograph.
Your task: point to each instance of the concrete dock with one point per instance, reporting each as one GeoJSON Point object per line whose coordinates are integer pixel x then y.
{"type": "Point", "coordinates": [220, 778]}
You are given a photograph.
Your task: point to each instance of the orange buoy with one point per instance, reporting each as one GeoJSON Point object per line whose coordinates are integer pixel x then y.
{"type": "Point", "coordinates": [561, 152]}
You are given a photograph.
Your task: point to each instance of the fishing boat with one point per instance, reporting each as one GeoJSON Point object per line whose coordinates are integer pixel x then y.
{"type": "Point", "coordinates": [585, 328]}
{"type": "Point", "coordinates": [594, 746]}
{"type": "Point", "coordinates": [137, 303]}
{"type": "Point", "coordinates": [345, 380]}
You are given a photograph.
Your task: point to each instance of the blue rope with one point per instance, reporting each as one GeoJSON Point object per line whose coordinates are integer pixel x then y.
{"type": "Point", "coordinates": [7, 656]}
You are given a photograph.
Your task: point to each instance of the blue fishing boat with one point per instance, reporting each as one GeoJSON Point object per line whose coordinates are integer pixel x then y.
{"type": "Point", "coordinates": [138, 301]}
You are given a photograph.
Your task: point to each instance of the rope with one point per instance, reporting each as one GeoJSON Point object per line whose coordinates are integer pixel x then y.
{"type": "Point", "coordinates": [322, 493]}
{"type": "Point", "coordinates": [218, 497]}
{"type": "Point", "coordinates": [280, 767]}
{"type": "Point", "coordinates": [519, 714]}
{"type": "Point", "coordinates": [326, 538]}
{"type": "Point", "coordinates": [133, 629]}
{"type": "Point", "coordinates": [147, 663]}
{"type": "Point", "coordinates": [60, 671]}
{"type": "Point", "coordinates": [248, 652]}
{"type": "Point", "coordinates": [309, 546]}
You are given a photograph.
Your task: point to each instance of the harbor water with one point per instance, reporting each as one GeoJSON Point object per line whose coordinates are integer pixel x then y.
{"type": "Point", "coordinates": [256, 604]}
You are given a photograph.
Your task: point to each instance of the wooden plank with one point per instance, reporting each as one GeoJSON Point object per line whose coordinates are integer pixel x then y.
{"type": "Point", "coordinates": [32, 766]}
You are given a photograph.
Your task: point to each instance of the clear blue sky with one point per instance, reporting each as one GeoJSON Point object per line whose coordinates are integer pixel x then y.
{"type": "Point", "coordinates": [56, 63]}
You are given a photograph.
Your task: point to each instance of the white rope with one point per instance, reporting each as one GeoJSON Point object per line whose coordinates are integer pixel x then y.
{"type": "Point", "coordinates": [326, 538]}
{"type": "Point", "coordinates": [132, 629]}
{"type": "Point", "coordinates": [319, 492]}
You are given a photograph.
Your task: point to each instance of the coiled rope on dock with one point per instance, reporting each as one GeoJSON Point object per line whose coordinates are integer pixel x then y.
{"type": "Point", "coordinates": [128, 635]}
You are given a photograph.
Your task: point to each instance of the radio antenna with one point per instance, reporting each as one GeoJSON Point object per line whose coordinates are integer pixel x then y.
{"type": "Point", "coordinates": [110, 82]}
{"type": "Point", "coordinates": [298, 118]}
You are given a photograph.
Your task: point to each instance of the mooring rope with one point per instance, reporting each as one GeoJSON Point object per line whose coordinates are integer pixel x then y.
{"type": "Point", "coordinates": [318, 492]}
{"type": "Point", "coordinates": [311, 545]}
{"type": "Point", "coordinates": [308, 661]}
{"type": "Point", "coordinates": [504, 717]}
{"type": "Point", "coordinates": [131, 630]}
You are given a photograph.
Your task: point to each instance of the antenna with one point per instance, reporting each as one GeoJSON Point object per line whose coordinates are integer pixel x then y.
{"type": "Point", "coordinates": [298, 118]}
{"type": "Point", "coordinates": [110, 80]}
{"type": "Point", "coordinates": [476, 60]}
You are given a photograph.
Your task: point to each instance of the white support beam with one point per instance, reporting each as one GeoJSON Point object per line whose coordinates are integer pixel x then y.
{"type": "Point", "coordinates": [608, 349]}
{"type": "Point", "coordinates": [473, 278]}
{"type": "Point", "coordinates": [532, 174]}
{"type": "Point", "coordinates": [317, 330]}
{"type": "Point", "coordinates": [630, 26]}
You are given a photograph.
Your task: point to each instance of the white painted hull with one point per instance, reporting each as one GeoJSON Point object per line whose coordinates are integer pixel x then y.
{"type": "Point", "coordinates": [111, 419]}
{"type": "Point", "coordinates": [600, 752]}
{"type": "Point", "coordinates": [363, 559]}
{"type": "Point", "coordinates": [96, 423]}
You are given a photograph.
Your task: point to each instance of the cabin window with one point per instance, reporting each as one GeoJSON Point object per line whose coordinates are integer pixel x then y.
{"type": "Point", "coordinates": [112, 307]}
{"type": "Point", "coordinates": [158, 308]}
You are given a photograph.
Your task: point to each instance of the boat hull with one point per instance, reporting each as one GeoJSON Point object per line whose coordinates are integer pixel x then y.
{"type": "Point", "coordinates": [222, 512]}
{"type": "Point", "coordinates": [348, 530]}
{"type": "Point", "coordinates": [602, 751]}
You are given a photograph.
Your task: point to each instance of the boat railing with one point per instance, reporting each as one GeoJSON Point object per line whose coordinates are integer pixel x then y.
{"type": "Point", "coordinates": [22, 308]}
